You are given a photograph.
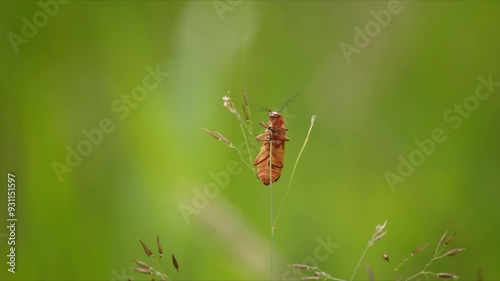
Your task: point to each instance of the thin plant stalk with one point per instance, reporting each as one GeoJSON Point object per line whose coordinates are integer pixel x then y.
{"type": "Point", "coordinates": [423, 271]}
{"type": "Point", "coordinates": [230, 106]}
{"type": "Point", "coordinates": [318, 273]}
{"type": "Point", "coordinates": [271, 204]}
{"type": "Point", "coordinates": [241, 155]}
{"type": "Point", "coordinates": [247, 111]}
{"type": "Point", "coordinates": [218, 136]}
{"type": "Point", "coordinates": [359, 262]}
{"type": "Point", "coordinates": [313, 118]}
{"type": "Point", "coordinates": [437, 255]}
{"type": "Point", "coordinates": [379, 234]}
{"type": "Point", "coordinates": [247, 144]}
{"type": "Point", "coordinates": [400, 264]}
{"type": "Point", "coordinates": [163, 274]}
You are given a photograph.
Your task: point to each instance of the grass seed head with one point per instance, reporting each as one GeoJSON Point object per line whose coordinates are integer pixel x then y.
{"type": "Point", "coordinates": [141, 264]}
{"type": "Point", "coordinates": [175, 263]}
{"type": "Point", "coordinates": [379, 227]}
{"type": "Point", "coordinates": [211, 133]}
{"type": "Point", "coordinates": [442, 238]}
{"type": "Point", "coordinates": [450, 238]}
{"type": "Point", "coordinates": [160, 249]}
{"type": "Point", "coordinates": [228, 103]}
{"type": "Point", "coordinates": [453, 252]}
{"type": "Point", "coordinates": [148, 251]}
{"type": "Point", "coordinates": [224, 139]}
{"type": "Point", "coordinates": [245, 111]}
{"type": "Point", "coordinates": [419, 248]}
{"type": "Point", "coordinates": [446, 275]}
{"type": "Point", "coordinates": [385, 257]}
{"type": "Point", "coordinates": [142, 270]}
{"type": "Point", "coordinates": [218, 136]}
{"type": "Point", "coordinates": [245, 99]}
{"type": "Point", "coordinates": [380, 236]}
{"type": "Point", "coordinates": [299, 266]}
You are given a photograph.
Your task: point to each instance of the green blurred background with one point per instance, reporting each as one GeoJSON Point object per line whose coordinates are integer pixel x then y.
{"type": "Point", "coordinates": [369, 111]}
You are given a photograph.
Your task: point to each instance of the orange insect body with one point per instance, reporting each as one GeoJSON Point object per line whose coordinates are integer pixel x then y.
{"type": "Point", "coordinates": [275, 134]}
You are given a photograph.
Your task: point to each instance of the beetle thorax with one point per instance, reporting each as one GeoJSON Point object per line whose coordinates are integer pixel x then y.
{"type": "Point", "coordinates": [276, 120]}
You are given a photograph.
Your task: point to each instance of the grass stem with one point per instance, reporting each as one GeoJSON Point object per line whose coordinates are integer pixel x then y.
{"type": "Point", "coordinates": [271, 205]}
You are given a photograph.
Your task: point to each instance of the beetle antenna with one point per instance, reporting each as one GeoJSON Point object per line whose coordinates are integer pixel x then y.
{"type": "Point", "coordinates": [263, 109]}
{"type": "Point", "coordinates": [290, 100]}
{"type": "Point", "coordinates": [294, 97]}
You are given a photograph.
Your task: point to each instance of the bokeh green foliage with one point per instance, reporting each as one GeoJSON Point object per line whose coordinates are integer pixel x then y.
{"type": "Point", "coordinates": [369, 112]}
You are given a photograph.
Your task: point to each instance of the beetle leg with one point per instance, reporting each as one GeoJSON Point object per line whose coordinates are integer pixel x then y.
{"type": "Point", "coordinates": [280, 137]}
{"type": "Point", "coordinates": [264, 125]}
{"type": "Point", "coordinates": [263, 137]}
